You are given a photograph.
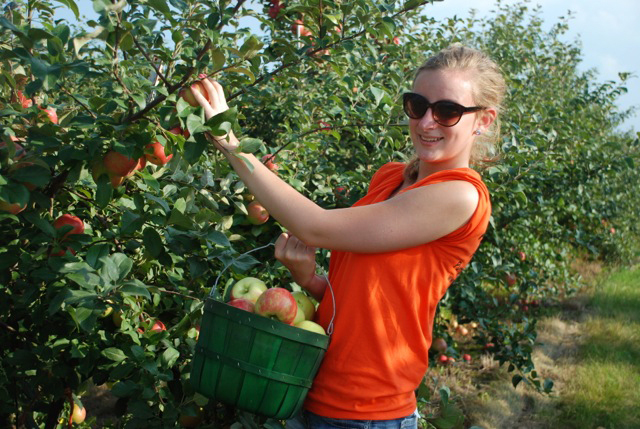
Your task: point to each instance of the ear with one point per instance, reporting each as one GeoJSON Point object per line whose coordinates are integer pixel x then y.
{"type": "Point", "coordinates": [486, 118]}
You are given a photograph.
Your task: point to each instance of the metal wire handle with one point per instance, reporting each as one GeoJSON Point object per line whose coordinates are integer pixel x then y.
{"type": "Point", "coordinates": [214, 289]}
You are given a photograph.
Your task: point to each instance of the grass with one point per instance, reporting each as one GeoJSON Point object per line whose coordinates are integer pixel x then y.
{"type": "Point", "coordinates": [589, 345]}
{"type": "Point", "coordinates": [605, 388]}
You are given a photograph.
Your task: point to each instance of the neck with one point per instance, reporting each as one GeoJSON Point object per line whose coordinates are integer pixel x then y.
{"type": "Point", "coordinates": [427, 169]}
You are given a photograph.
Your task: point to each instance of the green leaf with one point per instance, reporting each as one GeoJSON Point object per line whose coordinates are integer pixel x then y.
{"type": "Point", "coordinates": [135, 288]}
{"type": "Point", "coordinates": [104, 191]}
{"type": "Point", "coordinates": [244, 71]}
{"type": "Point", "coordinates": [161, 6]}
{"type": "Point", "coordinates": [250, 145]}
{"type": "Point", "coordinates": [152, 242]}
{"type": "Point", "coordinates": [114, 354]}
{"type": "Point", "coordinates": [179, 219]}
{"type": "Point", "coordinates": [97, 252]}
{"type": "Point", "coordinates": [250, 48]}
{"type": "Point", "coordinates": [515, 380]}
{"type": "Point", "coordinates": [169, 357]}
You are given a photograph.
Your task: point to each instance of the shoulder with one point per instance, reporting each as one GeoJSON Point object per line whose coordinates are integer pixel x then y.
{"type": "Point", "coordinates": [387, 171]}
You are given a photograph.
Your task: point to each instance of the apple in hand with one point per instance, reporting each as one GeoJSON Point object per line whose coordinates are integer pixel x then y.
{"type": "Point", "coordinates": [187, 93]}
{"type": "Point", "coordinates": [249, 288]}
{"type": "Point", "coordinates": [277, 303]}
{"type": "Point", "coordinates": [257, 213]}
{"type": "Point", "coordinates": [305, 304]}
{"type": "Point", "coordinates": [311, 326]}
{"type": "Point", "coordinates": [242, 304]}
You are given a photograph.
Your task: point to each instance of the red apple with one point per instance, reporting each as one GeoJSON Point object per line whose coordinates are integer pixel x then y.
{"type": "Point", "coordinates": [24, 101]}
{"type": "Point", "coordinates": [51, 114]}
{"type": "Point", "coordinates": [451, 360]}
{"type": "Point", "coordinates": [612, 230]}
{"type": "Point", "coordinates": [489, 346]}
{"type": "Point", "coordinates": [443, 359]}
{"type": "Point", "coordinates": [510, 278]}
{"type": "Point", "coordinates": [73, 221]}
{"type": "Point", "coordinates": [13, 208]}
{"type": "Point", "coordinates": [274, 9]}
{"type": "Point", "coordinates": [156, 154]}
{"type": "Point", "coordinates": [298, 29]}
{"type": "Point", "coordinates": [268, 161]}
{"type": "Point", "coordinates": [117, 164]}
{"type": "Point", "coordinates": [462, 330]}
{"type": "Point", "coordinates": [396, 40]}
{"type": "Point", "coordinates": [79, 413]}
{"type": "Point", "coordinates": [324, 125]}
{"type": "Point", "coordinates": [158, 326]}
{"type": "Point", "coordinates": [466, 357]}
{"type": "Point", "coordinates": [242, 304]}
{"type": "Point", "coordinates": [187, 93]}
{"type": "Point", "coordinates": [257, 214]}
{"type": "Point", "coordinates": [249, 288]}
{"type": "Point", "coordinates": [277, 303]}
{"type": "Point", "coordinates": [439, 345]}
{"type": "Point", "coordinates": [522, 256]}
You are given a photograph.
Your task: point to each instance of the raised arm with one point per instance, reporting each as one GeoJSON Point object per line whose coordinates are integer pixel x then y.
{"type": "Point", "coordinates": [409, 219]}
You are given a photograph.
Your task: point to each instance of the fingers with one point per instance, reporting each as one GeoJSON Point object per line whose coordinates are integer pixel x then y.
{"type": "Point", "coordinates": [289, 248]}
{"type": "Point", "coordinates": [281, 243]}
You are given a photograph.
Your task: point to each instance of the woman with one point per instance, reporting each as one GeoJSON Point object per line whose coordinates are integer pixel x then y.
{"type": "Point", "coordinates": [395, 252]}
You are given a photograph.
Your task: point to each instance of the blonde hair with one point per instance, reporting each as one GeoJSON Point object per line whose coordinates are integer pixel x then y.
{"type": "Point", "coordinates": [489, 88]}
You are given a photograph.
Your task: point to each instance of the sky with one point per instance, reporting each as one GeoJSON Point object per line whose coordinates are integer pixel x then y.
{"type": "Point", "coordinates": [609, 32]}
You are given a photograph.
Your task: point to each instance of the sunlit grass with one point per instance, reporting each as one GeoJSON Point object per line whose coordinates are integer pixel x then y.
{"type": "Point", "coordinates": [605, 389]}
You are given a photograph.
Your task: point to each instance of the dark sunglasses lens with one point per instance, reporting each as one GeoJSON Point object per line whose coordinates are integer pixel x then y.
{"type": "Point", "coordinates": [447, 113]}
{"type": "Point", "coordinates": [415, 106]}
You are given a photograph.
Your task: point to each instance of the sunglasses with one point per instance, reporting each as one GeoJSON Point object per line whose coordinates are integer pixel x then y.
{"type": "Point", "coordinates": [445, 113]}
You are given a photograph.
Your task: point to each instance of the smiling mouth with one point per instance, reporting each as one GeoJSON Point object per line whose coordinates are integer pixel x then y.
{"type": "Point", "coordinates": [430, 139]}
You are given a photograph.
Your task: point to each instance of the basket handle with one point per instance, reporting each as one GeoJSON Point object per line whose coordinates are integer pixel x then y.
{"type": "Point", "coordinates": [215, 293]}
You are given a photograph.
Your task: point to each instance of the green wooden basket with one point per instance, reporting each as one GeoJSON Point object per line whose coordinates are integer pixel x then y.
{"type": "Point", "coordinates": [254, 363]}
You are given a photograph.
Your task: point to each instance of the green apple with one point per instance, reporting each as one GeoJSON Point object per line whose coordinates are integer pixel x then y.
{"type": "Point", "coordinates": [305, 303]}
{"type": "Point", "coordinates": [249, 288]}
{"type": "Point", "coordinates": [311, 326]}
{"type": "Point", "coordinates": [299, 315]}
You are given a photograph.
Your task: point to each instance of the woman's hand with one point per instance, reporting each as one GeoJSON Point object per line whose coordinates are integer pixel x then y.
{"type": "Point", "coordinates": [216, 105]}
{"type": "Point", "coordinates": [299, 258]}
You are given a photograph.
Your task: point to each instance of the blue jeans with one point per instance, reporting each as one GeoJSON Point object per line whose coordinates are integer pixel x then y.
{"type": "Point", "coordinates": [308, 420]}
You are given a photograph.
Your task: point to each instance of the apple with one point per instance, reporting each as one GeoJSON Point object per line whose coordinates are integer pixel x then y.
{"type": "Point", "coordinates": [299, 316]}
{"type": "Point", "coordinates": [19, 151]}
{"type": "Point", "coordinates": [299, 30]}
{"type": "Point", "coordinates": [451, 360]}
{"type": "Point", "coordinates": [510, 278]}
{"type": "Point", "coordinates": [24, 101]}
{"type": "Point", "coordinates": [242, 304]}
{"type": "Point", "coordinates": [462, 330]}
{"type": "Point", "coordinates": [156, 154]}
{"type": "Point", "coordinates": [274, 9]}
{"type": "Point", "coordinates": [191, 417]}
{"type": "Point", "coordinates": [117, 164]}
{"type": "Point", "coordinates": [396, 40]}
{"type": "Point", "coordinates": [187, 93]}
{"type": "Point", "coordinates": [67, 219]}
{"type": "Point", "coordinates": [439, 345]}
{"type": "Point", "coordinates": [116, 318]}
{"type": "Point", "coordinates": [79, 413]}
{"type": "Point", "coordinates": [277, 303]}
{"type": "Point", "coordinates": [305, 304]}
{"type": "Point", "coordinates": [489, 346]}
{"type": "Point", "coordinates": [257, 213]}
{"type": "Point", "coordinates": [443, 359]}
{"type": "Point", "coordinates": [249, 288]}
{"type": "Point", "coordinates": [473, 325]}
{"type": "Point", "coordinates": [13, 208]}
{"type": "Point", "coordinates": [310, 326]}
{"type": "Point", "coordinates": [268, 161]}
{"type": "Point", "coordinates": [177, 130]}
{"type": "Point", "coordinates": [324, 125]}
{"type": "Point", "coordinates": [612, 230]}
{"type": "Point", "coordinates": [51, 114]}
{"type": "Point", "coordinates": [158, 326]}
{"type": "Point", "coordinates": [522, 256]}
{"type": "Point", "coordinates": [466, 357]}
{"type": "Point", "coordinates": [355, 89]}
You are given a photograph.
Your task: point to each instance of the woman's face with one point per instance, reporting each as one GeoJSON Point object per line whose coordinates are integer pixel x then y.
{"type": "Point", "coordinates": [439, 147]}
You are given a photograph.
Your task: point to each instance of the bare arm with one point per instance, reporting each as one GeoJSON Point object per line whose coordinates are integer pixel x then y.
{"type": "Point", "coordinates": [409, 219]}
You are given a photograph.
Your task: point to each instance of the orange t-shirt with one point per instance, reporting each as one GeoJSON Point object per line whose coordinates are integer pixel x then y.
{"type": "Point", "coordinates": [385, 305]}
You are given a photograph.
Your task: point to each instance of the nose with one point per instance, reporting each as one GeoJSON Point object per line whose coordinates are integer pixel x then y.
{"type": "Point", "coordinates": [427, 121]}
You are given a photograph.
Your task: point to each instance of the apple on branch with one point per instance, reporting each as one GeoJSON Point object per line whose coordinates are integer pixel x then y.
{"type": "Point", "coordinates": [249, 288]}
{"type": "Point", "coordinates": [156, 154]}
{"type": "Point", "coordinates": [257, 214]}
{"type": "Point", "coordinates": [277, 303]}
{"type": "Point", "coordinates": [186, 93]}
{"type": "Point", "coordinates": [79, 413]}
